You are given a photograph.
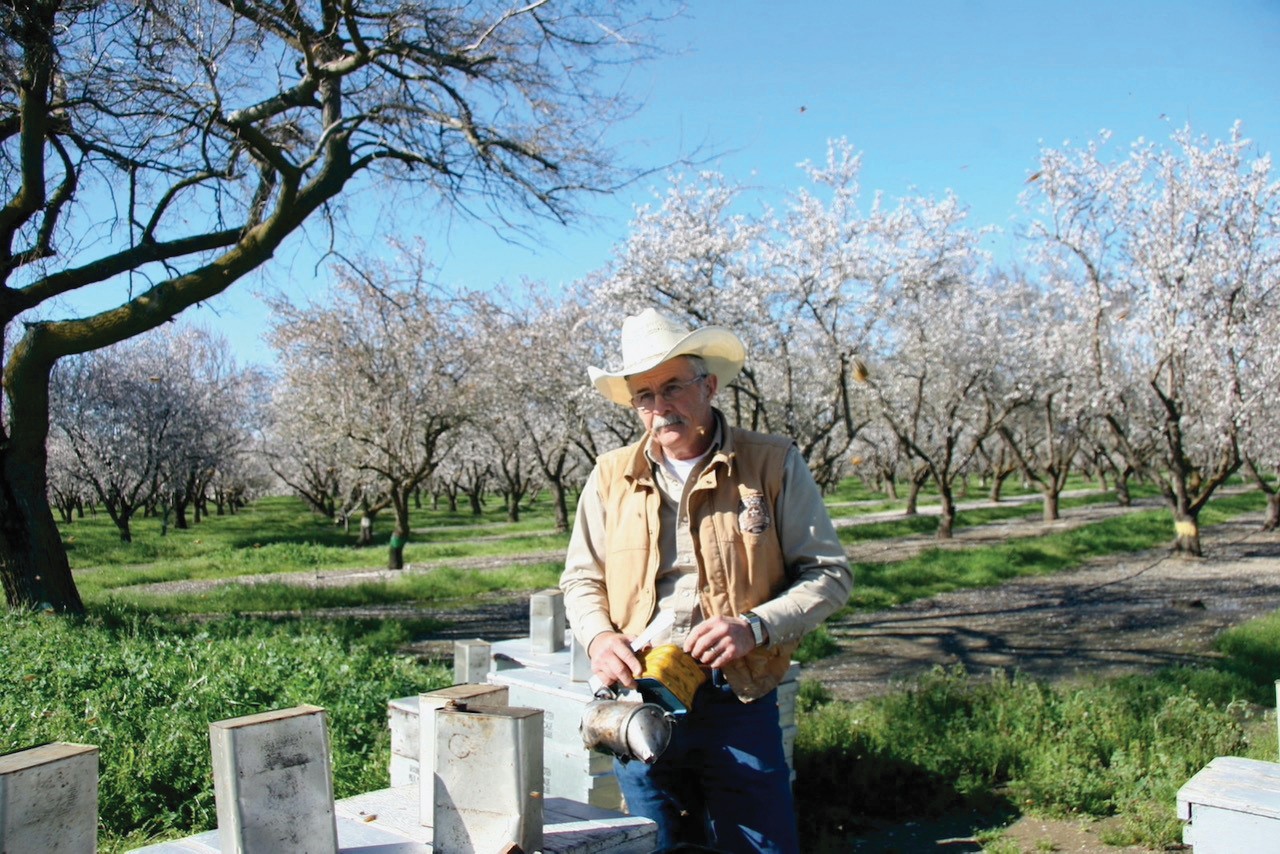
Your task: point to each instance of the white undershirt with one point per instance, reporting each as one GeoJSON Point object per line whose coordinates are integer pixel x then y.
{"type": "Point", "coordinates": [681, 469]}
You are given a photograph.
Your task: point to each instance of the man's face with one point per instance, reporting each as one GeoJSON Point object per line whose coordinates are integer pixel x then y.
{"type": "Point", "coordinates": [675, 405]}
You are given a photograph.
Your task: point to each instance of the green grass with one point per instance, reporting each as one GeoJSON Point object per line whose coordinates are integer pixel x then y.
{"type": "Point", "coordinates": [1007, 745]}
{"type": "Point", "coordinates": [928, 524]}
{"type": "Point", "coordinates": [277, 535]}
{"type": "Point", "coordinates": [145, 690]}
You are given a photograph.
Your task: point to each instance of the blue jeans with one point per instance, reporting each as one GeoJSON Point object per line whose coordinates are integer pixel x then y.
{"type": "Point", "coordinates": [723, 782]}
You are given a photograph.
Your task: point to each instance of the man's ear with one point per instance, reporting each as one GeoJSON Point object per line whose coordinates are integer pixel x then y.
{"type": "Point", "coordinates": [713, 383]}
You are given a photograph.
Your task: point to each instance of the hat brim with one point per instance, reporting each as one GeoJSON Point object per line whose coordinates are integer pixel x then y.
{"type": "Point", "coordinates": [723, 352]}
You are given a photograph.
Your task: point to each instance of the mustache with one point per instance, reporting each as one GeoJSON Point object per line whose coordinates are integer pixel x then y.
{"type": "Point", "coordinates": [660, 421]}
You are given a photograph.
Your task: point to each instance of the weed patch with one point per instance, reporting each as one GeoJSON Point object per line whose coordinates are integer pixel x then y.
{"type": "Point", "coordinates": [145, 691]}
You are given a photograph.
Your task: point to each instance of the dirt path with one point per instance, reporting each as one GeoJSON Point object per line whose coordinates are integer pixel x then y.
{"type": "Point", "coordinates": [1114, 615]}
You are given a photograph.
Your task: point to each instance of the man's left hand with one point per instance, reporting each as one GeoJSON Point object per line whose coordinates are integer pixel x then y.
{"type": "Point", "coordinates": [719, 640]}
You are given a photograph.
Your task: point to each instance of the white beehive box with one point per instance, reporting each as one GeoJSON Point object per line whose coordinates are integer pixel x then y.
{"type": "Point", "coordinates": [1232, 805]}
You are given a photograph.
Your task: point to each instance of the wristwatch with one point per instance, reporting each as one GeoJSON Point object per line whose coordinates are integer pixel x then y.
{"type": "Point", "coordinates": [757, 628]}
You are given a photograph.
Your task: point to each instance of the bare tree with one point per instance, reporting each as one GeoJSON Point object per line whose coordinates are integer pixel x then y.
{"type": "Point", "coordinates": [160, 151]}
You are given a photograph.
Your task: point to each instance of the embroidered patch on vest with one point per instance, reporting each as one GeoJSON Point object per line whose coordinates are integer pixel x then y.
{"type": "Point", "coordinates": [753, 517]}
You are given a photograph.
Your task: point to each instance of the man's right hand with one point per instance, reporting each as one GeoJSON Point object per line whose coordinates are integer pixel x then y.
{"type": "Point", "coordinates": [612, 659]}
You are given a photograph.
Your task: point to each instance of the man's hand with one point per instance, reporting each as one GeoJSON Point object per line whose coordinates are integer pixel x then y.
{"type": "Point", "coordinates": [719, 640]}
{"type": "Point", "coordinates": [613, 661]}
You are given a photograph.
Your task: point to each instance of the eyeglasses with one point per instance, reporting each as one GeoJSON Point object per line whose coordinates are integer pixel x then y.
{"type": "Point", "coordinates": [670, 391]}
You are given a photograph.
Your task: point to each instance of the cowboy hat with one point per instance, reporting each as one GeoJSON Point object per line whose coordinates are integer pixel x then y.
{"type": "Point", "coordinates": [649, 339]}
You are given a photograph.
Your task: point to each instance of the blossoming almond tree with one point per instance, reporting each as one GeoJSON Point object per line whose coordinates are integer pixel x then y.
{"type": "Point", "coordinates": [1048, 385]}
{"type": "Point", "coordinates": [793, 286]}
{"type": "Point", "coordinates": [382, 368]}
{"type": "Point", "coordinates": [1178, 257]}
{"type": "Point", "coordinates": [938, 344]}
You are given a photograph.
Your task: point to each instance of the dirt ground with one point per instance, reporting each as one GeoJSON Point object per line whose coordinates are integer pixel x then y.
{"type": "Point", "coordinates": [1121, 614]}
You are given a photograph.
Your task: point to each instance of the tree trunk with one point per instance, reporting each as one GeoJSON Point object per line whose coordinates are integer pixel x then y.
{"type": "Point", "coordinates": [1272, 522]}
{"type": "Point", "coordinates": [365, 538]}
{"type": "Point", "coordinates": [474, 498]}
{"type": "Point", "coordinates": [399, 532]}
{"type": "Point", "coordinates": [120, 516]}
{"type": "Point", "coordinates": [1186, 527]}
{"type": "Point", "coordinates": [1123, 498]}
{"type": "Point", "coordinates": [1050, 505]}
{"type": "Point", "coordinates": [560, 494]}
{"type": "Point", "coordinates": [891, 487]}
{"type": "Point", "coordinates": [997, 486]}
{"type": "Point", "coordinates": [947, 516]}
{"type": "Point", "coordinates": [913, 499]}
{"type": "Point", "coordinates": [395, 550]}
{"type": "Point", "coordinates": [33, 564]}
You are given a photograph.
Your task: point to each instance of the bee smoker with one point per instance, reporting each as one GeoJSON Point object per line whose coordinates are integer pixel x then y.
{"type": "Point", "coordinates": [630, 728]}
{"type": "Point", "coordinates": [625, 728]}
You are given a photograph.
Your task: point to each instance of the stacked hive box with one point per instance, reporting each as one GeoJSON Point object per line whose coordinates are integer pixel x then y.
{"type": "Point", "coordinates": [548, 671]}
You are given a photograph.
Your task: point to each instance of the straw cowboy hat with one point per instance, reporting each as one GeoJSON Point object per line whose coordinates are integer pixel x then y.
{"type": "Point", "coordinates": [649, 339]}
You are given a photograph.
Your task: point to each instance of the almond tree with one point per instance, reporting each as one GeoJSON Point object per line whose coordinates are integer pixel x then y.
{"type": "Point", "coordinates": [310, 464]}
{"type": "Point", "coordinates": [823, 276]}
{"type": "Point", "coordinates": [938, 344]}
{"type": "Point", "coordinates": [1047, 386]}
{"type": "Point", "coordinates": [219, 420]}
{"type": "Point", "coordinates": [120, 412]}
{"type": "Point", "coordinates": [1260, 383]}
{"type": "Point", "coordinates": [155, 153]}
{"type": "Point", "coordinates": [382, 371]}
{"type": "Point", "coordinates": [879, 459]}
{"type": "Point", "coordinates": [1177, 254]}
{"type": "Point", "coordinates": [790, 286]}
{"type": "Point", "coordinates": [148, 423]}
{"type": "Point", "coordinates": [536, 404]}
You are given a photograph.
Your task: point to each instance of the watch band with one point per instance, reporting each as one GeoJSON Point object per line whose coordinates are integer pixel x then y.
{"type": "Point", "coordinates": [757, 628]}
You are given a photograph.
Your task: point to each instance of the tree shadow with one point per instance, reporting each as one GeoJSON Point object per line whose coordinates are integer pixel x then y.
{"type": "Point", "coordinates": [886, 803]}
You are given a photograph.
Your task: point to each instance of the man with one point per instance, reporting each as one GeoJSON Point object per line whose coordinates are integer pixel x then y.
{"type": "Point", "coordinates": [726, 530]}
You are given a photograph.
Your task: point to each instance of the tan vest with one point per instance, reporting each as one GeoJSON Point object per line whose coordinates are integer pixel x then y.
{"type": "Point", "coordinates": [735, 537]}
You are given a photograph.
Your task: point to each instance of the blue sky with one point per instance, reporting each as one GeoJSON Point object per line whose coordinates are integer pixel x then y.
{"type": "Point", "coordinates": [943, 95]}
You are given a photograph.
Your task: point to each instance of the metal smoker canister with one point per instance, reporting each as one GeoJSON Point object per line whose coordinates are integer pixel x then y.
{"type": "Point", "coordinates": [625, 729]}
